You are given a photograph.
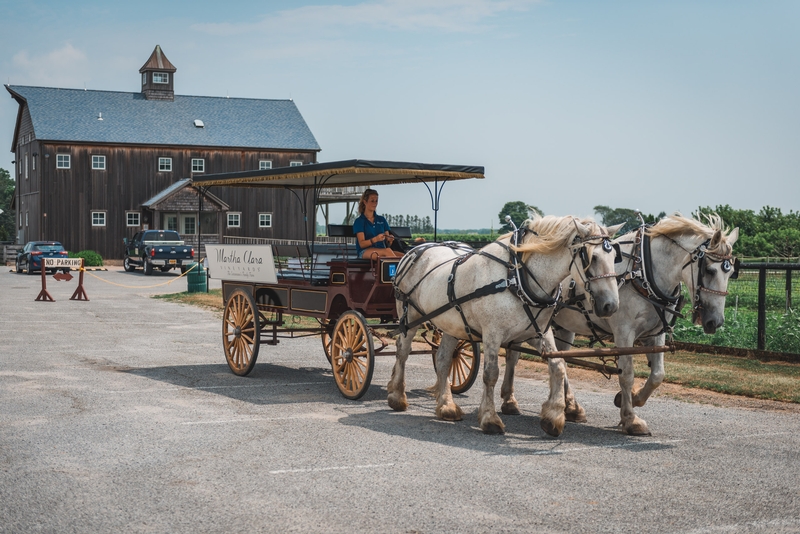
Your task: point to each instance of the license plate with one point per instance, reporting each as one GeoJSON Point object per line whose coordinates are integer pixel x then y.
{"type": "Point", "coordinates": [173, 262]}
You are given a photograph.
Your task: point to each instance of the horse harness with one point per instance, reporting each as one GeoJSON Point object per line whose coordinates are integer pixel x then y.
{"type": "Point", "coordinates": [642, 279]}
{"type": "Point", "coordinates": [518, 281]}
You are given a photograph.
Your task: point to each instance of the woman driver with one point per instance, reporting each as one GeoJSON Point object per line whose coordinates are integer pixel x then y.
{"type": "Point", "coordinates": [372, 230]}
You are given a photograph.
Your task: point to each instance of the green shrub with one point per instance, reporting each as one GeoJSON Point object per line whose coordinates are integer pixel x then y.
{"type": "Point", "coordinates": [90, 258]}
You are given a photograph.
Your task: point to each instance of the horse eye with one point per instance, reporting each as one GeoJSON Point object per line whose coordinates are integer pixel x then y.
{"type": "Point", "coordinates": [710, 271]}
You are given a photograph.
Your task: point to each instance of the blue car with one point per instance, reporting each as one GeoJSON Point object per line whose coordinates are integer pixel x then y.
{"type": "Point", "coordinates": [30, 257]}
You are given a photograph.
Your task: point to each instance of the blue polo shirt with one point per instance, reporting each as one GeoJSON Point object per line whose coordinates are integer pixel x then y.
{"type": "Point", "coordinates": [370, 230]}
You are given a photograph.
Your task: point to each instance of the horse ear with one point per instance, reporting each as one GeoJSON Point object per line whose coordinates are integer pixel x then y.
{"type": "Point", "coordinates": [733, 236]}
{"type": "Point", "coordinates": [715, 240]}
{"type": "Point", "coordinates": [583, 231]}
{"type": "Point", "coordinates": [612, 230]}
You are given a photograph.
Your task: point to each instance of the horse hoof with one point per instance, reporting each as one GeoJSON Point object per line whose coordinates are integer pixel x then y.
{"type": "Point", "coordinates": [636, 431]}
{"type": "Point", "coordinates": [618, 400]}
{"type": "Point", "coordinates": [576, 417]}
{"type": "Point", "coordinates": [510, 409]}
{"type": "Point", "coordinates": [450, 413]}
{"type": "Point", "coordinates": [398, 405]}
{"type": "Point", "coordinates": [550, 428]}
{"type": "Point", "coordinates": [493, 428]}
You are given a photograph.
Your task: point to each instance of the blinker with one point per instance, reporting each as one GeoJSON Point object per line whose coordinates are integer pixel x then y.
{"type": "Point", "coordinates": [618, 251]}
{"type": "Point", "coordinates": [736, 265]}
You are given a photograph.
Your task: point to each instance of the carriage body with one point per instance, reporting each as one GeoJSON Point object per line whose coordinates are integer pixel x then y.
{"type": "Point", "coordinates": [351, 300]}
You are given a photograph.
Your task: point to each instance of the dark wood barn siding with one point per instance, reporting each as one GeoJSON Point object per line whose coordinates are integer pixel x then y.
{"type": "Point", "coordinates": [28, 189]}
{"type": "Point", "coordinates": [131, 177]}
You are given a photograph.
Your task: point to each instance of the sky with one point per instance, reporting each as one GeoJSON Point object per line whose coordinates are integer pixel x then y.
{"type": "Point", "coordinates": [568, 104]}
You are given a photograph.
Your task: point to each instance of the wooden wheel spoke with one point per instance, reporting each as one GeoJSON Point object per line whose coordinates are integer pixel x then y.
{"type": "Point", "coordinates": [240, 328]}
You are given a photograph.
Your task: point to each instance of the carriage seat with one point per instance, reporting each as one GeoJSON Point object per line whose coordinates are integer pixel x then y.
{"type": "Point", "coordinates": [343, 230]}
{"type": "Point", "coordinates": [293, 262]}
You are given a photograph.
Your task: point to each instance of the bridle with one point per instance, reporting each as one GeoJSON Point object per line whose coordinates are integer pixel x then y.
{"type": "Point", "coordinates": [700, 256]}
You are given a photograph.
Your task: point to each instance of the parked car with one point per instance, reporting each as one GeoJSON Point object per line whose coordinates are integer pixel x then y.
{"type": "Point", "coordinates": [29, 258]}
{"type": "Point", "coordinates": [157, 248]}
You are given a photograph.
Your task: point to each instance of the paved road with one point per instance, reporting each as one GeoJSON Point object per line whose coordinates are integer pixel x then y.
{"type": "Point", "coordinates": [120, 414]}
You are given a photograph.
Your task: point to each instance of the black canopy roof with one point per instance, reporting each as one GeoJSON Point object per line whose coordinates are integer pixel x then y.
{"type": "Point", "coordinates": [353, 172]}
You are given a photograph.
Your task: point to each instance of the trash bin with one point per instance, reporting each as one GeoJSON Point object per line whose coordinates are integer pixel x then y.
{"type": "Point", "coordinates": [196, 278]}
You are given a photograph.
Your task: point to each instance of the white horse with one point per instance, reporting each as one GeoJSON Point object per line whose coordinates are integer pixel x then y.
{"type": "Point", "coordinates": [437, 283]}
{"type": "Point", "coordinates": [676, 249]}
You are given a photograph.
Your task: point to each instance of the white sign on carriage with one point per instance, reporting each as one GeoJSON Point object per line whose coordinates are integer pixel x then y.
{"type": "Point", "coordinates": [245, 263]}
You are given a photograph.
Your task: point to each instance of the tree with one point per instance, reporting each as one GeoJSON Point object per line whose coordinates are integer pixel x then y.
{"type": "Point", "coordinates": [611, 216]}
{"type": "Point", "coordinates": [518, 211]}
{"type": "Point", "coordinates": [8, 217]}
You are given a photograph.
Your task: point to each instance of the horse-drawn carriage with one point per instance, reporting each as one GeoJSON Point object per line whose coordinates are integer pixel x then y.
{"type": "Point", "coordinates": [352, 300]}
{"type": "Point", "coordinates": [505, 295]}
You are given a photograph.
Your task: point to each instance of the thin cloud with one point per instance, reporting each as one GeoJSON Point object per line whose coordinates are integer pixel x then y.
{"type": "Point", "coordinates": [453, 16]}
{"type": "Point", "coordinates": [63, 66]}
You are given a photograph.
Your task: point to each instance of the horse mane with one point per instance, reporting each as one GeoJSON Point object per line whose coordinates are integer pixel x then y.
{"type": "Point", "coordinates": [550, 233]}
{"type": "Point", "coordinates": [677, 225]}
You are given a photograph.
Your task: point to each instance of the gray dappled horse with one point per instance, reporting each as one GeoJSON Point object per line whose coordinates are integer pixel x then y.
{"type": "Point", "coordinates": [676, 249]}
{"type": "Point", "coordinates": [438, 280]}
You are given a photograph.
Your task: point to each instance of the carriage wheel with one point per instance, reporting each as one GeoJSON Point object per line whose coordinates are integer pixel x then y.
{"type": "Point", "coordinates": [352, 355]}
{"type": "Point", "coordinates": [326, 339]}
{"type": "Point", "coordinates": [240, 332]}
{"type": "Point", "coordinates": [464, 366]}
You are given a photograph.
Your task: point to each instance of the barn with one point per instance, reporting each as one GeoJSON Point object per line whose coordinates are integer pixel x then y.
{"type": "Point", "coordinates": [93, 167]}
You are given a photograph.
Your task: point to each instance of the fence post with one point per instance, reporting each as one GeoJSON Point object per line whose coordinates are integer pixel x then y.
{"type": "Point", "coordinates": [762, 308]}
{"type": "Point", "coordinates": [788, 290]}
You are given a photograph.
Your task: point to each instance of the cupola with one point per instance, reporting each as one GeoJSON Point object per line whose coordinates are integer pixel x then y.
{"type": "Point", "coordinates": [157, 77]}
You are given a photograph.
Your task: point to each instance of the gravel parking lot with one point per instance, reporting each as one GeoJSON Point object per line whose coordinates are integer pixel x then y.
{"type": "Point", "coordinates": [120, 414]}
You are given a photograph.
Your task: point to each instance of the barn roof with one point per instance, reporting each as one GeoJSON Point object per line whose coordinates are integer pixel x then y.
{"type": "Point", "coordinates": [72, 115]}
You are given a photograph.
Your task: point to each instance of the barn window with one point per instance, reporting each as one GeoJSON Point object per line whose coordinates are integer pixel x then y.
{"type": "Point", "coordinates": [160, 77]}
{"type": "Point", "coordinates": [295, 163]}
{"type": "Point", "coordinates": [98, 218]}
{"type": "Point", "coordinates": [26, 165]}
{"type": "Point", "coordinates": [234, 220]}
{"type": "Point", "coordinates": [198, 165]}
{"type": "Point", "coordinates": [264, 164]}
{"type": "Point", "coordinates": [62, 161]}
{"type": "Point", "coordinates": [98, 163]}
{"type": "Point", "coordinates": [265, 220]}
{"type": "Point", "coordinates": [132, 218]}
{"type": "Point", "coordinates": [164, 164]}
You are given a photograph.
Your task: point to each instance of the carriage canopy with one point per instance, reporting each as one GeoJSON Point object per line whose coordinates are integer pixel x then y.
{"type": "Point", "coordinates": [353, 172]}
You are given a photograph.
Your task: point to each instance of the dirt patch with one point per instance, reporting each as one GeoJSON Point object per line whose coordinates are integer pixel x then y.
{"type": "Point", "coordinates": [584, 379]}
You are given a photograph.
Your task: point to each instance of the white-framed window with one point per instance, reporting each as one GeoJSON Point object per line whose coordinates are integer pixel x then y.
{"type": "Point", "coordinates": [144, 78]}
{"type": "Point", "coordinates": [295, 163]}
{"type": "Point", "coordinates": [164, 164]}
{"type": "Point", "coordinates": [26, 165]}
{"type": "Point", "coordinates": [132, 218]}
{"type": "Point", "coordinates": [98, 218]}
{"type": "Point", "coordinates": [198, 165]}
{"type": "Point", "coordinates": [264, 164]}
{"type": "Point", "coordinates": [161, 77]}
{"type": "Point", "coordinates": [26, 218]}
{"type": "Point", "coordinates": [33, 162]}
{"type": "Point", "coordinates": [265, 220]}
{"type": "Point", "coordinates": [62, 161]}
{"type": "Point", "coordinates": [234, 219]}
{"type": "Point", "coordinates": [98, 163]}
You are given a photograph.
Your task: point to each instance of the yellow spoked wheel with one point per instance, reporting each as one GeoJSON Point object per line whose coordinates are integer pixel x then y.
{"type": "Point", "coordinates": [352, 355]}
{"type": "Point", "coordinates": [464, 366]}
{"type": "Point", "coordinates": [240, 332]}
